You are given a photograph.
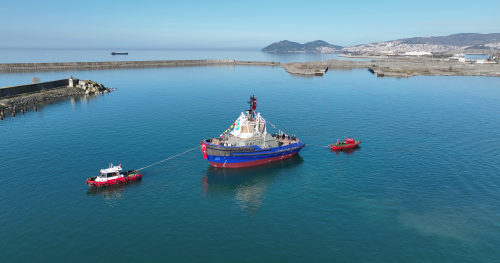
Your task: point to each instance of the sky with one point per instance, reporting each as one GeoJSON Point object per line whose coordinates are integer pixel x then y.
{"type": "Point", "coordinates": [233, 25]}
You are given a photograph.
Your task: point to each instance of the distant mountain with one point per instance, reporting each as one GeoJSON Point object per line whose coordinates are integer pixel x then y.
{"type": "Point", "coordinates": [463, 39]}
{"type": "Point", "coordinates": [478, 46]}
{"type": "Point", "coordinates": [318, 46]}
{"type": "Point", "coordinates": [432, 44]}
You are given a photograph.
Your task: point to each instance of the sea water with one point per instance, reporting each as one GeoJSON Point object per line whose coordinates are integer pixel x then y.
{"type": "Point", "coordinates": [423, 186]}
{"type": "Point", "coordinates": [93, 55]}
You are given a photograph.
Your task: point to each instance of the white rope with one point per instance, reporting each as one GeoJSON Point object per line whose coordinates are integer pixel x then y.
{"type": "Point", "coordinates": [168, 158]}
{"type": "Point", "coordinates": [269, 123]}
{"type": "Point", "coordinates": [317, 145]}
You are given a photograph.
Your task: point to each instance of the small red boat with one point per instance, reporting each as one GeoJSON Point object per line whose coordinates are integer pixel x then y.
{"type": "Point", "coordinates": [113, 175]}
{"type": "Point", "coordinates": [347, 143]}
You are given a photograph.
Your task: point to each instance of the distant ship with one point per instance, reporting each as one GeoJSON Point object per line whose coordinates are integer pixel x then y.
{"type": "Point", "coordinates": [116, 53]}
{"type": "Point", "coordinates": [248, 143]}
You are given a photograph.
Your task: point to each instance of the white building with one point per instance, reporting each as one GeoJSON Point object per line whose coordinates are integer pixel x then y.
{"type": "Point", "coordinates": [418, 53]}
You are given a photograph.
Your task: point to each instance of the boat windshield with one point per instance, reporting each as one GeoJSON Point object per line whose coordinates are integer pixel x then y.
{"type": "Point", "coordinates": [104, 175]}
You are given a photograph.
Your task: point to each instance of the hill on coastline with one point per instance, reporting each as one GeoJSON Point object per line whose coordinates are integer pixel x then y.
{"type": "Point", "coordinates": [462, 39]}
{"type": "Point", "coordinates": [438, 44]}
{"type": "Point", "coordinates": [310, 47]}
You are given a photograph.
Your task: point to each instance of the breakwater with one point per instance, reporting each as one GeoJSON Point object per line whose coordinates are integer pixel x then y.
{"type": "Point", "coordinates": [395, 68]}
{"type": "Point", "coordinates": [34, 98]}
{"type": "Point", "coordinates": [35, 87]}
{"type": "Point", "coordinates": [39, 92]}
{"type": "Point", "coordinates": [127, 64]}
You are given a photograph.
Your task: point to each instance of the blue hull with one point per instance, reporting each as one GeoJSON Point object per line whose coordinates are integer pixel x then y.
{"type": "Point", "coordinates": [235, 157]}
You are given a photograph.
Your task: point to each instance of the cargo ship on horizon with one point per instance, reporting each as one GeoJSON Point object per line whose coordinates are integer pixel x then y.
{"type": "Point", "coordinates": [118, 53]}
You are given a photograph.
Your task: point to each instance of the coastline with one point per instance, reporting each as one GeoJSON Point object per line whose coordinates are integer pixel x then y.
{"type": "Point", "coordinates": [394, 68]}
{"type": "Point", "coordinates": [381, 68]}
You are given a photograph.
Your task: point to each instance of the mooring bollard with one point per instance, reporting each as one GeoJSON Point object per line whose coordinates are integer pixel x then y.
{"type": "Point", "coordinates": [34, 108]}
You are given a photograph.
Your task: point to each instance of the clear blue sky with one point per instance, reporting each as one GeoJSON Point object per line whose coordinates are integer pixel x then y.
{"type": "Point", "coordinates": [239, 25]}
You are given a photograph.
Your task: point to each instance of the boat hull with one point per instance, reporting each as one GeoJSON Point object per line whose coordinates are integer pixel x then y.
{"type": "Point", "coordinates": [253, 162]}
{"type": "Point", "coordinates": [347, 146]}
{"type": "Point", "coordinates": [260, 156]}
{"type": "Point", "coordinates": [119, 180]}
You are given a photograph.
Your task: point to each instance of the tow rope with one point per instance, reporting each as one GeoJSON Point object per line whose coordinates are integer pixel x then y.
{"type": "Point", "coordinates": [168, 158]}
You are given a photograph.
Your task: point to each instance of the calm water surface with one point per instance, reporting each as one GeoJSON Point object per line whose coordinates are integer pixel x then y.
{"type": "Point", "coordinates": [423, 186]}
{"type": "Point", "coordinates": [91, 55]}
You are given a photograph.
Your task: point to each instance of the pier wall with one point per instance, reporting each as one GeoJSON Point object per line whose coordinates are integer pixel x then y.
{"type": "Point", "coordinates": [126, 64]}
{"type": "Point", "coordinates": [29, 88]}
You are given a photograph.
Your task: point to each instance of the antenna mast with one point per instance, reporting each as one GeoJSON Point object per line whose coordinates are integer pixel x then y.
{"type": "Point", "coordinates": [253, 105]}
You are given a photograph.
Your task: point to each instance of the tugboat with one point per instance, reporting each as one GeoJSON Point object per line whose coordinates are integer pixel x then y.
{"type": "Point", "coordinates": [113, 175]}
{"type": "Point", "coordinates": [247, 143]}
{"type": "Point", "coordinates": [347, 143]}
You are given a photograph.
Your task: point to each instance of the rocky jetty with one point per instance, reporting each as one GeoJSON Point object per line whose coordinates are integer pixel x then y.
{"type": "Point", "coordinates": [83, 87]}
{"type": "Point", "coordinates": [27, 99]}
{"type": "Point", "coordinates": [92, 87]}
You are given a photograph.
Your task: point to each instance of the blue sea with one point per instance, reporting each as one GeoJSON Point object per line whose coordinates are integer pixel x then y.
{"type": "Point", "coordinates": [423, 187]}
{"type": "Point", "coordinates": [93, 55]}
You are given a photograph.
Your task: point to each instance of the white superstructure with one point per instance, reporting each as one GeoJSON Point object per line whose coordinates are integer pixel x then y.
{"type": "Point", "coordinates": [247, 127]}
{"type": "Point", "coordinates": [111, 173]}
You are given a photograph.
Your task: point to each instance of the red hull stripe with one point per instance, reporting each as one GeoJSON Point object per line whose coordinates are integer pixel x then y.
{"type": "Point", "coordinates": [344, 146]}
{"type": "Point", "coordinates": [112, 182]}
{"type": "Point", "coordinates": [252, 163]}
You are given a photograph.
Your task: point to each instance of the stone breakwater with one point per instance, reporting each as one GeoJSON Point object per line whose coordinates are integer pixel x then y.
{"type": "Point", "coordinates": [127, 64]}
{"type": "Point", "coordinates": [27, 99]}
{"type": "Point", "coordinates": [36, 93]}
{"type": "Point", "coordinates": [395, 68]}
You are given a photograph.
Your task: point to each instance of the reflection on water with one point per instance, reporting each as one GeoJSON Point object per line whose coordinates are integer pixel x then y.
{"type": "Point", "coordinates": [75, 99]}
{"type": "Point", "coordinates": [113, 192]}
{"type": "Point", "coordinates": [246, 185]}
{"type": "Point", "coordinates": [84, 98]}
{"type": "Point", "coordinates": [348, 151]}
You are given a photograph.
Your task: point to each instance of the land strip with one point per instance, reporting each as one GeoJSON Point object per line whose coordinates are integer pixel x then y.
{"type": "Point", "coordinates": [402, 68]}
{"type": "Point", "coordinates": [127, 64]}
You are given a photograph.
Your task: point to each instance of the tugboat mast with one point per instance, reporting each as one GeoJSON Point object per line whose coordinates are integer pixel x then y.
{"type": "Point", "coordinates": [253, 105]}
